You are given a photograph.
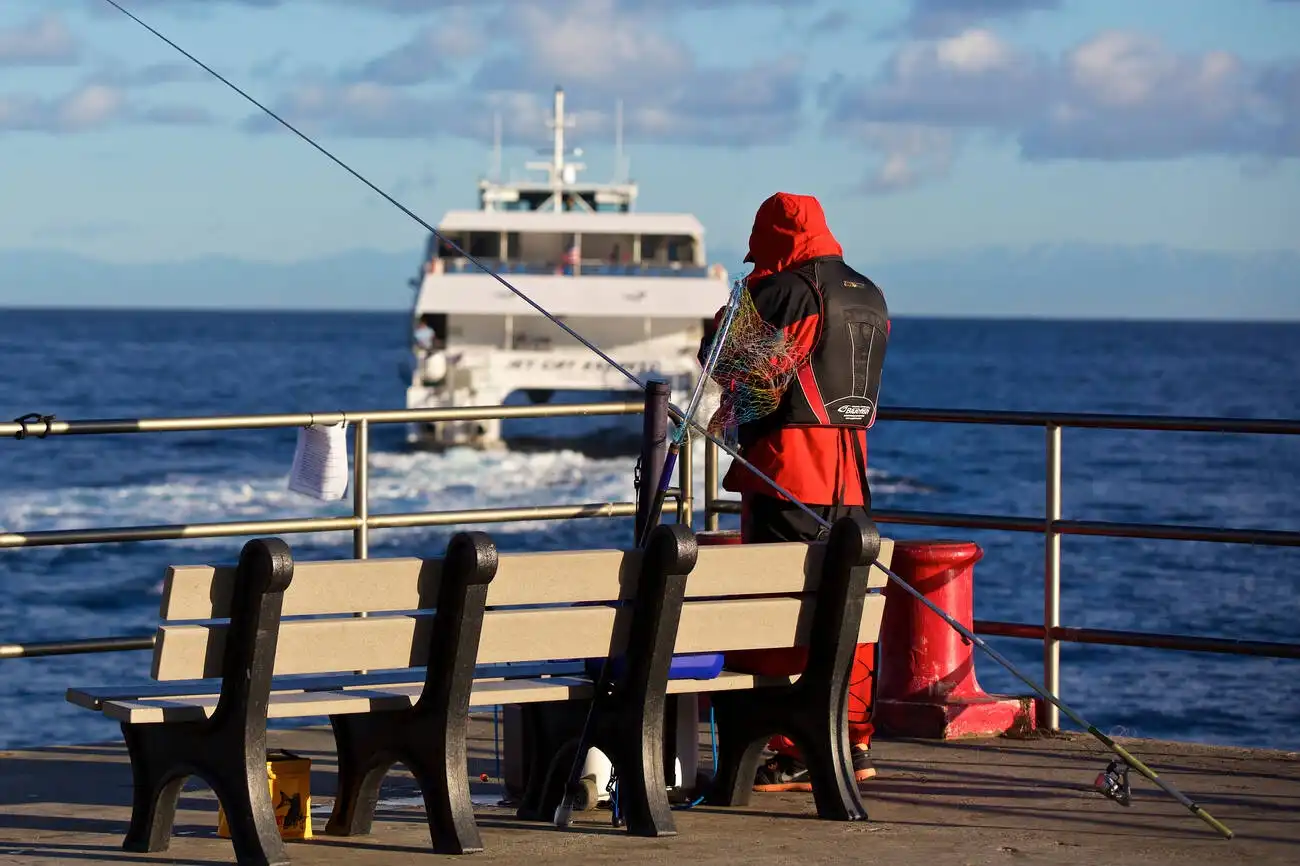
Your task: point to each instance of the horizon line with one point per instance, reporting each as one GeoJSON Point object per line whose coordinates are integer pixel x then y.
{"type": "Point", "coordinates": [942, 317]}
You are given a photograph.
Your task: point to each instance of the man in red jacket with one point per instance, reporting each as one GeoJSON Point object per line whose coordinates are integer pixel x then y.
{"type": "Point", "coordinates": [836, 326]}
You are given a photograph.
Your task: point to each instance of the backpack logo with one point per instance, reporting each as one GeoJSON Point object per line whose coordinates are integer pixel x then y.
{"type": "Point", "coordinates": [856, 411]}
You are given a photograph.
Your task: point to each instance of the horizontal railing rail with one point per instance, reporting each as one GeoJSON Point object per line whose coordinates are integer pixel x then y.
{"type": "Point", "coordinates": [1095, 528]}
{"type": "Point", "coordinates": [1149, 640]}
{"type": "Point", "coordinates": [1052, 526]}
{"type": "Point", "coordinates": [39, 427]}
{"type": "Point", "coordinates": [1095, 421]}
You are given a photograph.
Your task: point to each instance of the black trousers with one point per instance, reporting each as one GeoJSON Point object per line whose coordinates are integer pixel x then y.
{"type": "Point", "coordinates": [765, 519]}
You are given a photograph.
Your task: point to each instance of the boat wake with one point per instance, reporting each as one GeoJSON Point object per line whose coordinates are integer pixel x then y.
{"type": "Point", "coordinates": [400, 482]}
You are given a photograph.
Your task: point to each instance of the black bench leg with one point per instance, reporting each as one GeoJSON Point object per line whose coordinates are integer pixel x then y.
{"type": "Point", "coordinates": [830, 769]}
{"type": "Point", "coordinates": [636, 748]}
{"type": "Point", "coordinates": [450, 812]}
{"type": "Point", "coordinates": [740, 750]}
{"type": "Point", "coordinates": [369, 745]}
{"type": "Point", "coordinates": [155, 795]}
{"type": "Point", "coordinates": [227, 750]}
{"type": "Point", "coordinates": [164, 756]}
{"type": "Point", "coordinates": [812, 711]}
{"type": "Point", "coordinates": [550, 736]}
{"type": "Point", "coordinates": [360, 776]}
{"type": "Point", "coordinates": [245, 795]}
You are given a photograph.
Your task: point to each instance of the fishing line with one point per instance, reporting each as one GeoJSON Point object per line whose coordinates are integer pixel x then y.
{"type": "Point", "coordinates": [687, 421]}
{"type": "Point", "coordinates": [394, 202]}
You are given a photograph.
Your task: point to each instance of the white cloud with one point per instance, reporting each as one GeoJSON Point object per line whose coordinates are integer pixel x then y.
{"type": "Point", "coordinates": [1118, 95]}
{"type": "Point", "coordinates": [91, 106]}
{"type": "Point", "coordinates": [86, 108]}
{"type": "Point", "coordinates": [44, 41]}
{"type": "Point", "coordinates": [909, 155]}
{"type": "Point", "coordinates": [931, 18]}
{"type": "Point", "coordinates": [600, 50]}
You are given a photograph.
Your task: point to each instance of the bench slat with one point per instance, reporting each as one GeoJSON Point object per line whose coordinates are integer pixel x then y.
{"type": "Point", "coordinates": [768, 569]}
{"type": "Point", "coordinates": [398, 697]}
{"type": "Point", "coordinates": [379, 585]}
{"type": "Point", "coordinates": [193, 592]}
{"type": "Point", "coordinates": [191, 652]}
{"type": "Point", "coordinates": [92, 697]}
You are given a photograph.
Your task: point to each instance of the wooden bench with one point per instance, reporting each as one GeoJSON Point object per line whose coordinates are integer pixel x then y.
{"type": "Point", "coordinates": [268, 629]}
{"type": "Point", "coordinates": [824, 596]}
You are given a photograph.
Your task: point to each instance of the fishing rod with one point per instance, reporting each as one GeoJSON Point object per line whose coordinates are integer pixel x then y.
{"type": "Point", "coordinates": [680, 434]}
{"type": "Point", "coordinates": [1111, 785]}
{"type": "Point", "coordinates": [573, 788]}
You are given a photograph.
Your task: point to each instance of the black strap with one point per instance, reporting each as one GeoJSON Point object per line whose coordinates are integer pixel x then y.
{"type": "Point", "coordinates": [840, 480]}
{"type": "Point", "coordinates": [862, 468]}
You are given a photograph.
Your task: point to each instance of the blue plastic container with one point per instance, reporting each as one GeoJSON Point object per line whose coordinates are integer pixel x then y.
{"type": "Point", "coordinates": [694, 666]}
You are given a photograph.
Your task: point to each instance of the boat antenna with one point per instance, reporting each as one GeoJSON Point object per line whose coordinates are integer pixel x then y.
{"type": "Point", "coordinates": [619, 175]}
{"type": "Point", "coordinates": [966, 633]}
{"type": "Point", "coordinates": [496, 147]}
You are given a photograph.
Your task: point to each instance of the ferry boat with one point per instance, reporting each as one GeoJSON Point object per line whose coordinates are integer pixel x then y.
{"type": "Point", "coordinates": [637, 285]}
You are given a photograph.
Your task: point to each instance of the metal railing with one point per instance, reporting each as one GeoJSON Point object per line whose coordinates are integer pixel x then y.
{"type": "Point", "coordinates": [1052, 527]}
{"type": "Point", "coordinates": [360, 523]}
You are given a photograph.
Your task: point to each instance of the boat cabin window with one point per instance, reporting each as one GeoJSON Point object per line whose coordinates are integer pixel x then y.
{"type": "Point", "coordinates": [668, 250]}
{"type": "Point", "coordinates": [607, 249]}
{"type": "Point", "coordinates": [592, 253]}
{"type": "Point", "coordinates": [480, 245]}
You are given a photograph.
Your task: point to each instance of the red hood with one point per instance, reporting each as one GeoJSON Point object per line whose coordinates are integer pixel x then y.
{"type": "Point", "coordinates": [789, 229]}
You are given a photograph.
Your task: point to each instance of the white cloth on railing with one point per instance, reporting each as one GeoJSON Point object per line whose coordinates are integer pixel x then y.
{"type": "Point", "coordinates": [320, 462]}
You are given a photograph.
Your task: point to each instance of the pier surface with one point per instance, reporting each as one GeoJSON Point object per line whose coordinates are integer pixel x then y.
{"type": "Point", "coordinates": [999, 801]}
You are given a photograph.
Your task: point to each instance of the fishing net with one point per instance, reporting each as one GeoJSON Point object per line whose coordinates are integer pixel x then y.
{"type": "Point", "coordinates": [755, 364]}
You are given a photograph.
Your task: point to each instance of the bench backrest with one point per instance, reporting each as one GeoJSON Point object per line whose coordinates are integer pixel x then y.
{"type": "Point", "coordinates": [541, 606]}
{"type": "Point", "coordinates": [757, 596]}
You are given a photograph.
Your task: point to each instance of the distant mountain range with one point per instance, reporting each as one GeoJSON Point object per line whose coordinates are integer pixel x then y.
{"type": "Point", "coordinates": [1058, 281]}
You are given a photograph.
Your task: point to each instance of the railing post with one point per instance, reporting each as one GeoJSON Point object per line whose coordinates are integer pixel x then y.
{"type": "Point", "coordinates": [654, 451]}
{"type": "Point", "coordinates": [361, 490]}
{"type": "Point", "coordinates": [686, 481]}
{"type": "Point", "coordinates": [710, 485]}
{"type": "Point", "coordinates": [1051, 717]}
{"type": "Point", "coordinates": [361, 496]}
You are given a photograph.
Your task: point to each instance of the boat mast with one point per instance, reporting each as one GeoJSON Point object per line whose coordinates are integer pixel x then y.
{"type": "Point", "coordinates": [496, 147]}
{"type": "Point", "coordinates": [618, 141]}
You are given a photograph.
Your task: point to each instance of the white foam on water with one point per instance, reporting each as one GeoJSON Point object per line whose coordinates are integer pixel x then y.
{"type": "Point", "coordinates": [400, 482]}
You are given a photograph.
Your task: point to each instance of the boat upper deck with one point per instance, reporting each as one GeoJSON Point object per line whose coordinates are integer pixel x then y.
{"type": "Point", "coordinates": [1002, 801]}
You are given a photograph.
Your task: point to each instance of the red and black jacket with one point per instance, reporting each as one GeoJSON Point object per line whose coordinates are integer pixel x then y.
{"type": "Point", "coordinates": [836, 325]}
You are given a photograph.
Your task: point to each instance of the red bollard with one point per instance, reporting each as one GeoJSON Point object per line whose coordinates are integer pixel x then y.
{"type": "Point", "coordinates": [718, 536]}
{"type": "Point", "coordinates": [927, 683]}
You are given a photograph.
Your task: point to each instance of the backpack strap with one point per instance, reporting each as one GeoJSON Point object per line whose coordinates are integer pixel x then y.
{"type": "Point", "coordinates": [861, 461]}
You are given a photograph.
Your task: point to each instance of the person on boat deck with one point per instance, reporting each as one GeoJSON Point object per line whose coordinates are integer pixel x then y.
{"type": "Point", "coordinates": [836, 325]}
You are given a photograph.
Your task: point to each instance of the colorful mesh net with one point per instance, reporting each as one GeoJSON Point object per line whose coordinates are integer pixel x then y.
{"type": "Point", "coordinates": [755, 364]}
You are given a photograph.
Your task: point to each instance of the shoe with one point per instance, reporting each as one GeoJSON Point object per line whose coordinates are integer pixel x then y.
{"type": "Point", "coordinates": [863, 769]}
{"type": "Point", "coordinates": [782, 774]}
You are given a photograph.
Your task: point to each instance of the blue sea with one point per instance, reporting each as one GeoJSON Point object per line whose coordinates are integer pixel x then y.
{"type": "Point", "coordinates": [100, 364]}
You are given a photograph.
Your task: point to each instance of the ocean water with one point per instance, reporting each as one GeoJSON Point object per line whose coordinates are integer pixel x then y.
{"type": "Point", "coordinates": [95, 364]}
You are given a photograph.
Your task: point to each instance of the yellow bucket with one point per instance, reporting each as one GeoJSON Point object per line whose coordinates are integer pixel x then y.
{"type": "Point", "coordinates": [290, 779]}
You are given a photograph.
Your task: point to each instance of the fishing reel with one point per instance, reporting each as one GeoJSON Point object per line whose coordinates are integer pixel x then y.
{"type": "Point", "coordinates": [1113, 783]}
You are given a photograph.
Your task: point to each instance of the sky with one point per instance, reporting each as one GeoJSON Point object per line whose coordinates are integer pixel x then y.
{"type": "Point", "coordinates": [926, 127]}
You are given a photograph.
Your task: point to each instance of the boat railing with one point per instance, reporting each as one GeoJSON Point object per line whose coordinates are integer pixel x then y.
{"type": "Point", "coordinates": [1051, 526]}
{"type": "Point", "coordinates": [585, 267]}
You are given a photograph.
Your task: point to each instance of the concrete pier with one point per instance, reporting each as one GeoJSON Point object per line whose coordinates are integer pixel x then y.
{"type": "Point", "coordinates": [967, 803]}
